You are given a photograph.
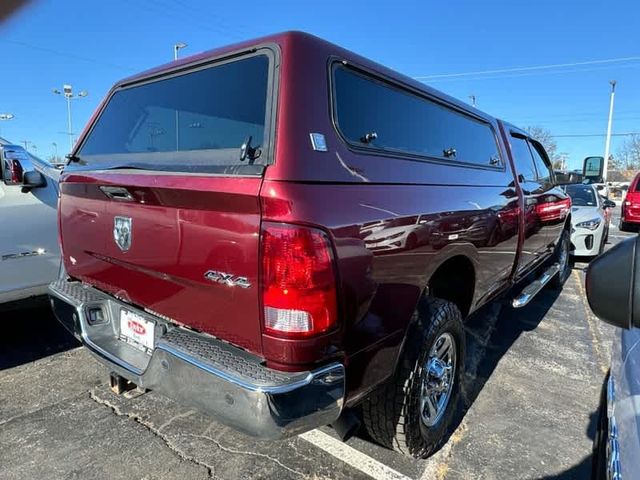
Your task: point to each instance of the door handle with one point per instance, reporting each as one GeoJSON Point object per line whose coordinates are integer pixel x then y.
{"type": "Point", "coordinates": [117, 193]}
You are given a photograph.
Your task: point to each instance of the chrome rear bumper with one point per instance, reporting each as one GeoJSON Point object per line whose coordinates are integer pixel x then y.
{"type": "Point", "coordinates": [201, 371]}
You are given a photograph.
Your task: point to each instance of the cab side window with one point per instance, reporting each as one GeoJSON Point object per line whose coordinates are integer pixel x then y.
{"type": "Point", "coordinates": [544, 171]}
{"type": "Point", "coordinates": [522, 159]}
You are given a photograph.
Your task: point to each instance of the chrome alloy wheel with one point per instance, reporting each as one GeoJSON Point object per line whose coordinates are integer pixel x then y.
{"type": "Point", "coordinates": [438, 378]}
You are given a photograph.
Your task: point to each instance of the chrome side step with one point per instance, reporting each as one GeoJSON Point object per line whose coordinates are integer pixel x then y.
{"type": "Point", "coordinates": [534, 287]}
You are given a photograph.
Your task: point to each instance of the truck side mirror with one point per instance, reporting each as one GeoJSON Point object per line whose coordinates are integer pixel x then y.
{"type": "Point", "coordinates": [592, 169]}
{"type": "Point", "coordinates": [613, 284]}
{"type": "Point", "coordinates": [32, 179]}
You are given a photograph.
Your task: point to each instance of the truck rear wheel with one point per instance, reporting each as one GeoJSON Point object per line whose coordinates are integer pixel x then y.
{"type": "Point", "coordinates": [625, 227]}
{"type": "Point", "coordinates": [562, 258]}
{"type": "Point", "coordinates": [414, 411]}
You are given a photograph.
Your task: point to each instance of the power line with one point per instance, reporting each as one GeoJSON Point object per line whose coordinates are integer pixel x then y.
{"type": "Point", "coordinates": [529, 68]}
{"type": "Point", "coordinates": [187, 17]}
{"type": "Point", "coordinates": [219, 22]}
{"type": "Point", "coordinates": [536, 73]}
{"type": "Point", "coordinates": [579, 135]}
{"type": "Point", "coordinates": [552, 123]}
{"type": "Point", "coordinates": [66, 54]}
{"type": "Point", "coordinates": [543, 117]}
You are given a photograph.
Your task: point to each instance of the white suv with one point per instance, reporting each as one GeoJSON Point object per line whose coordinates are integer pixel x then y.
{"type": "Point", "coordinates": [29, 251]}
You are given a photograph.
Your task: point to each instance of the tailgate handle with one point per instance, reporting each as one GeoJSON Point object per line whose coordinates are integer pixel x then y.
{"type": "Point", "coordinates": [117, 193]}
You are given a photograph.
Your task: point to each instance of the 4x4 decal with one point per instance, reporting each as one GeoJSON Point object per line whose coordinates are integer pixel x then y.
{"type": "Point", "coordinates": [227, 279]}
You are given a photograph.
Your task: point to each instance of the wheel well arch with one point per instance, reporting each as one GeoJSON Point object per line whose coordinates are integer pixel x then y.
{"type": "Point", "coordinates": [454, 280]}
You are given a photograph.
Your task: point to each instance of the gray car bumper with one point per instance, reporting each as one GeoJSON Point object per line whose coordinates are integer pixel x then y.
{"type": "Point", "coordinates": [204, 372]}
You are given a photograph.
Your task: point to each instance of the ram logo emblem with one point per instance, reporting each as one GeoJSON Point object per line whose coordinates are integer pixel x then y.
{"type": "Point", "coordinates": [122, 232]}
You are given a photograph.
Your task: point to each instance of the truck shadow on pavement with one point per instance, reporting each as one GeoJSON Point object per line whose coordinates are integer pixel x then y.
{"type": "Point", "coordinates": [31, 333]}
{"type": "Point", "coordinates": [491, 332]}
{"type": "Point", "coordinates": [582, 470]}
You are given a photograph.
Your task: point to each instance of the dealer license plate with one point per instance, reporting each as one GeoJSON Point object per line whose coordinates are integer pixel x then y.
{"type": "Point", "coordinates": [136, 331]}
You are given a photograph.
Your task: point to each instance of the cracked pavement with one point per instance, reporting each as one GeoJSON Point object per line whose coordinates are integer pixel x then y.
{"type": "Point", "coordinates": [530, 400]}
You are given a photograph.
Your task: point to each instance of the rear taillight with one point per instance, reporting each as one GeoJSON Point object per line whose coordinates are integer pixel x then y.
{"type": "Point", "coordinates": [553, 210]}
{"type": "Point", "coordinates": [16, 172]}
{"type": "Point", "coordinates": [298, 281]}
{"type": "Point", "coordinates": [631, 198]}
{"type": "Point", "coordinates": [60, 219]}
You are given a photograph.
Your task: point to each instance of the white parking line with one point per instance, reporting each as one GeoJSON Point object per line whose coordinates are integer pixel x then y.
{"type": "Point", "coordinates": [352, 457]}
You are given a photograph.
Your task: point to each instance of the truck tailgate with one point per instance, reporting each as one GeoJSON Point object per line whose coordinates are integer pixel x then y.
{"type": "Point", "coordinates": [182, 228]}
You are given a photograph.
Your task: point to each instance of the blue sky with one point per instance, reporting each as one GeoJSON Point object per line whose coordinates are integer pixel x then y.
{"type": "Point", "coordinates": [90, 44]}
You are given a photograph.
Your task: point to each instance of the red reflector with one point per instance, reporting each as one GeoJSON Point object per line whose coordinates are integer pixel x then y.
{"type": "Point", "coordinates": [298, 281]}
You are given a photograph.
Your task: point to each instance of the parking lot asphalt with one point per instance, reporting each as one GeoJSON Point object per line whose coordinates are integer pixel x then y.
{"type": "Point", "coordinates": [530, 403]}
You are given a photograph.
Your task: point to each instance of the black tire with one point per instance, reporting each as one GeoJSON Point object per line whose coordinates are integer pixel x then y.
{"type": "Point", "coordinates": [602, 244]}
{"type": "Point", "coordinates": [564, 244]}
{"type": "Point", "coordinates": [625, 227]}
{"type": "Point", "coordinates": [391, 414]}
{"type": "Point", "coordinates": [412, 241]}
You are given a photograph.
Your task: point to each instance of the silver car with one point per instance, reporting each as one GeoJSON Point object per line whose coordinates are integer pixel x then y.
{"type": "Point", "coordinates": [589, 219]}
{"type": "Point", "coordinates": [29, 251]}
{"type": "Point", "coordinates": [613, 290]}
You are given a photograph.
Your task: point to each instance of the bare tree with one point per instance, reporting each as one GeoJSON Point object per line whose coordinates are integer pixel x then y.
{"type": "Point", "coordinates": [628, 156]}
{"type": "Point", "coordinates": [545, 137]}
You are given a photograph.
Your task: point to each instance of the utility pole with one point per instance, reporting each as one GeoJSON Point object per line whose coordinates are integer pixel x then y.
{"type": "Point", "coordinates": [607, 145]}
{"type": "Point", "coordinates": [67, 91]}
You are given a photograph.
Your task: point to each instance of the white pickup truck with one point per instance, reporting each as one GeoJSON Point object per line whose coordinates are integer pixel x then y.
{"type": "Point", "coordinates": [29, 250]}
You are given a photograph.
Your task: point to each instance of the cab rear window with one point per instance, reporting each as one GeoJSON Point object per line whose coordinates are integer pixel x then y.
{"type": "Point", "coordinates": [373, 114]}
{"type": "Point", "coordinates": [194, 122]}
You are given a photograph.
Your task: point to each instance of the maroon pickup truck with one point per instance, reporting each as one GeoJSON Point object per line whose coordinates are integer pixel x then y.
{"type": "Point", "coordinates": [287, 235]}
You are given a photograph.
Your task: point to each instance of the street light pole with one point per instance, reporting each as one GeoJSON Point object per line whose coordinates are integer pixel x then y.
{"type": "Point", "coordinates": [607, 145]}
{"type": "Point", "coordinates": [67, 91]}
{"type": "Point", "coordinates": [6, 116]}
{"type": "Point", "coordinates": [70, 129]}
{"type": "Point", "coordinates": [176, 47]}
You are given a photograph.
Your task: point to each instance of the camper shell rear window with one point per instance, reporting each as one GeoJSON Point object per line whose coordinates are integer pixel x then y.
{"type": "Point", "coordinates": [211, 119]}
